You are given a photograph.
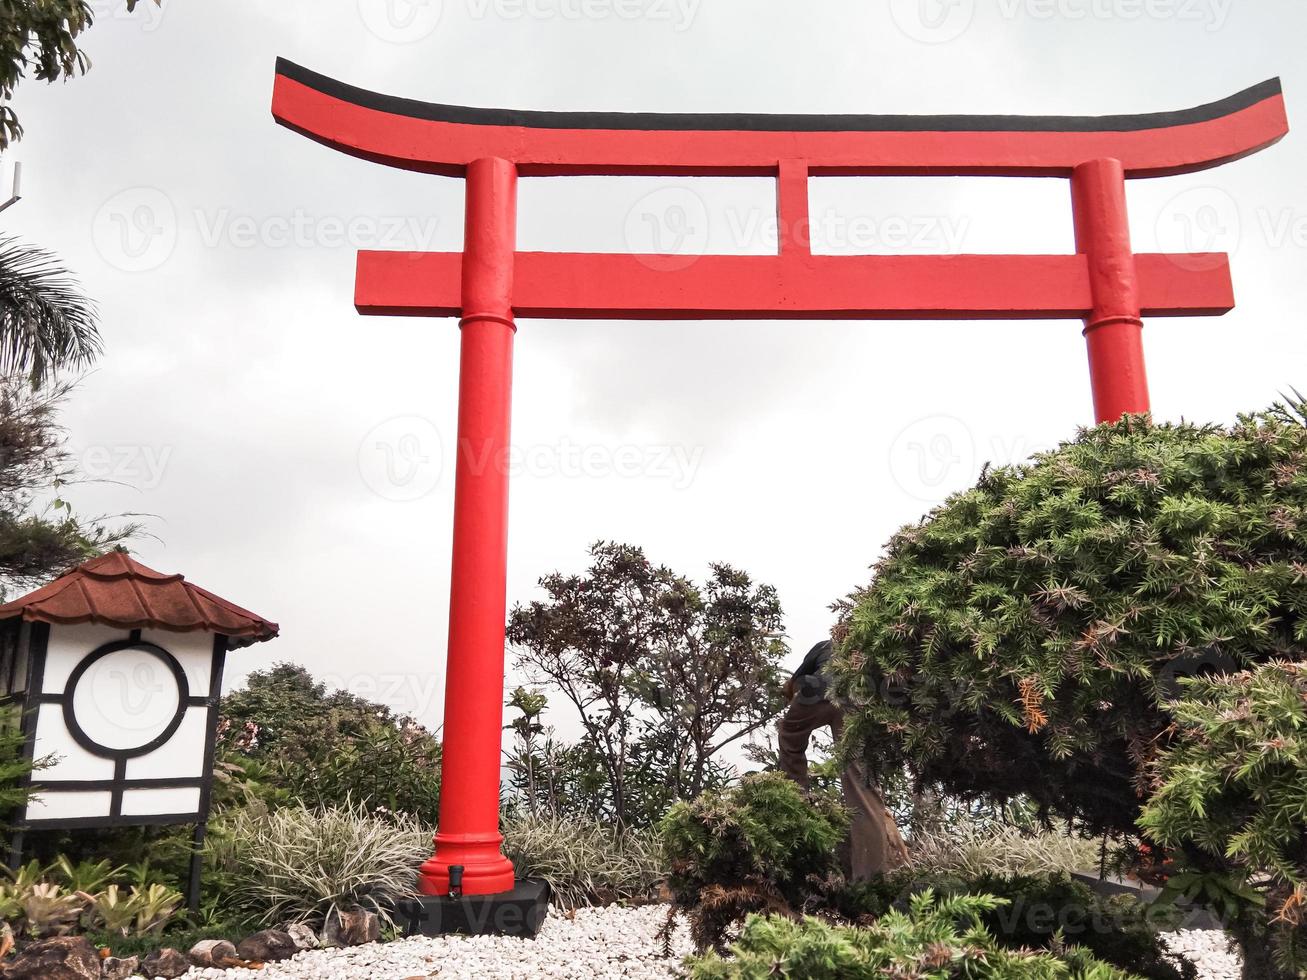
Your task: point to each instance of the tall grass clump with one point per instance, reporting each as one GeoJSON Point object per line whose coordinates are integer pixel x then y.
{"type": "Point", "coordinates": [969, 848]}
{"type": "Point", "coordinates": [300, 863]}
{"type": "Point", "coordinates": [585, 861]}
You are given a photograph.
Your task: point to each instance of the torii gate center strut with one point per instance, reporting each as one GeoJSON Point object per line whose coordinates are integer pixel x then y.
{"type": "Point", "coordinates": [490, 284]}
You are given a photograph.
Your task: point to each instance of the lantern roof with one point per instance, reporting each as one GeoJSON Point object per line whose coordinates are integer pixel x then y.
{"type": "Point", "coordinates": [116, 590]}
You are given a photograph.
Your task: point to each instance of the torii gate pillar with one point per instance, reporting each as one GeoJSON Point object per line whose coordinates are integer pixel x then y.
{"type": "Point", "coordinates": [468, 836]}
{"type": "Point", "coordinates": [1114, 329]}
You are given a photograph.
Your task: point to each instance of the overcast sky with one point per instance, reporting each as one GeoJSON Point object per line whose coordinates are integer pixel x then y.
{"type": "Point", "coordinates": [296, 454]}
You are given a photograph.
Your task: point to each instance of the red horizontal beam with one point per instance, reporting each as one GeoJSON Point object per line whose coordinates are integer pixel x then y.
{"type": "Point", "coordinates": [810, 287]}
{"type": "Point", "coordinates": [443, 139]}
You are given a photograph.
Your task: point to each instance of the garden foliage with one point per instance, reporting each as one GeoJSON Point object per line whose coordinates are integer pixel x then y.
{"type": "Point", "coordinates": [291, 738]}
{"type": "Point", "coordinates": [299, 863]}
{"type": "Point", "coordinates": [759, 845]}
{"type": "Point", "coordinates": [585, 861]}
{"type": "Point", "coordinates": [1232, 791]}
{"type": "Point", "coordinates": [663, 674]}
{"type": "Point", "coordinates": [1024, 637]}
{"type": "Point", "coordinates": [935, 938]}
{"type": "Point", "coordinates": [1038, 912]}
{"type": "Point", "coordinates": [1029, 637]}
{"type": "Point", "coordinates": [38, 902]}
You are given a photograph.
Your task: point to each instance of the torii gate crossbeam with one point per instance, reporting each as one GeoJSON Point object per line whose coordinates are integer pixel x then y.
{"type": "Point", "coordinates": [490, 284]}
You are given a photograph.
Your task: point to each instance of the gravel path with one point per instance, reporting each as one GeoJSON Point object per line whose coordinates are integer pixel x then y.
{"type": "Point", "coordinates": [594, 944]}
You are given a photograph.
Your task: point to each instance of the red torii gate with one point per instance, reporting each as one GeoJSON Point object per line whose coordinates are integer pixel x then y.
{"type": "Point", "coordinates": [490, 283]}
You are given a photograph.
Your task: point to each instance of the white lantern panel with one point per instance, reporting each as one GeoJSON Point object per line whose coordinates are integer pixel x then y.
{"type": "Point", "coordinates": [151, 802]}
{"type": "Point", "coordinates": [194, 651]}
{"type": "Point", "coordinates": [181, 756]}
{"type": "Point", "coordinates": [49, 805]}
{"type": "Point", "coordinates": [126, 699]}
{"type": "Point", "coordinates": [67, 647]}
{"type": "Point", "coordinates": [72, 761]}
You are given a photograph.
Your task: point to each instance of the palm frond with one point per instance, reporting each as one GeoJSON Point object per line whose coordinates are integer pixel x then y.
{"type": "Point", "coordinates": [46, 322]}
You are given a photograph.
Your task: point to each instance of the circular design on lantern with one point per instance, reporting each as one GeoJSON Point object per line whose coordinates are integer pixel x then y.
{"type": "Point", "coordinates": [125, 699]}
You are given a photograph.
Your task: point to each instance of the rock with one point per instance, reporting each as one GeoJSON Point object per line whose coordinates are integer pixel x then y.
{"type": "Point", "coordinates": [167, 963]}
{"type": "Point", "coordinates": [114, 968]}
{"type": "Point", "coordinates": [351, 927]}
{"type": "Point", "coordinates": [270, 945]}
{"type": "Point", "coordinates": [302, 935]}
{"type": "Point", "coordinates": [61, 958]}
{"type": "Point", "coordinates": [213, 952]}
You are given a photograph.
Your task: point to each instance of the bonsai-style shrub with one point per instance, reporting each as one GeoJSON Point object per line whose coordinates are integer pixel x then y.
{"type": "Point", "coordinates": [760, 845]}
{"type": "Point", "coordinates": [1027, 637]}
{"type": "Point", "coordinates": [933, 939]}
{"type": "Point", "coordinates": [1231, 790]}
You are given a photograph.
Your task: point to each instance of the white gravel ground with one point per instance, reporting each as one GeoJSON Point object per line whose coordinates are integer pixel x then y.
{"type": "Point", "coordinates": [1209, 949]}
{"type": "Point", "coordinates": [603, 944]}
{"type": "Point", "coordinates": [596, 944]}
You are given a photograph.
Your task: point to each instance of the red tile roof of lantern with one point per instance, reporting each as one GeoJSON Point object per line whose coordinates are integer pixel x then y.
{"type": "Point", "coordinates": [115, 590]}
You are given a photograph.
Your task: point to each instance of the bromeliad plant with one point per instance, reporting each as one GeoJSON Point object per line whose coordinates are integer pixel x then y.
{"type": "Point", "coordinates": [38, 901]}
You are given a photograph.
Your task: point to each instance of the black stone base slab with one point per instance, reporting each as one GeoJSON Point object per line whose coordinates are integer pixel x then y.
{"type": "Point", "coordinates": [520, 912]}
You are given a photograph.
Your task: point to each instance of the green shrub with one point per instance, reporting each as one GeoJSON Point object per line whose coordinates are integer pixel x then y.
{"type": "Point", "coordinates": [933, 939]}
{"type": "Point", "coordinates": [1232, 791]}
{"type": "Point", "coordinates": [15, 768]}
{"type": "Point", "coordinates": [1041, 912]}
{"type": "Point", "coordinates": [759, 845]}
{"type": "Point", "coordinates": [299, 863]}
{"type": "Point", "coordinates": [288, 736]}
{"type": "Point", "coordinates": [585, 862]}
